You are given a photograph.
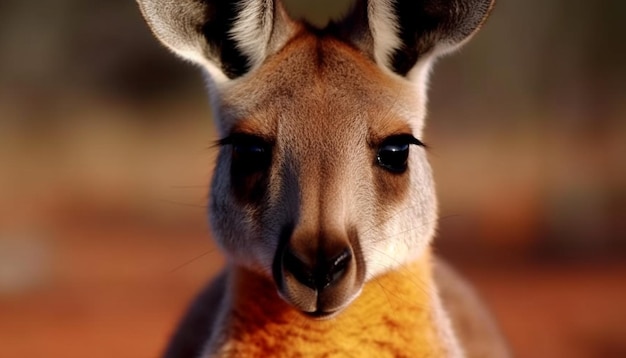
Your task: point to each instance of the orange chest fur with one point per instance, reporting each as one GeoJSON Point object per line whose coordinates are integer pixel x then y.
{"type": "Point", "coordinates": [391, 318]}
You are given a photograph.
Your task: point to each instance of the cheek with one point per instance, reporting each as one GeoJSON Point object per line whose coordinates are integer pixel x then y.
{"type": "Point", "coordinates": [391, 188]}
{"type": "Point", "coordinates": [418, 218]}
{"type": "Point", "coordinates": [248, 212]}
{"type": "Point", "coordinates": [405, 216]}
{"type": "Point", "coordinates": [234, 223]}
{"type": "Point", "coordinates": [391, 191]}
{"type": "Point", "coordinates": [423, 188]}
{"type": "Point", "coordinates": [238, 192]}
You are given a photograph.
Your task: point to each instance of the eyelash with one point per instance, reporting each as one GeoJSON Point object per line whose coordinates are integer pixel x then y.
{"type": "Point", "coordinates": [400, 138]}
{"type": "Point", "coordinates": [243, 138]}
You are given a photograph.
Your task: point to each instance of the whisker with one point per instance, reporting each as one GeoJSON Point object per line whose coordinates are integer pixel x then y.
{"type": "Point", "coordinates": [390, 216]}
{"type": "Point", "coordinates": [385, 292]}
{"type": "Point", "coordinates": [442, 217]}
{"type": "Point", "coordinates": [208, 252]}
{"type": "Point", "coordinates": [396, 234]}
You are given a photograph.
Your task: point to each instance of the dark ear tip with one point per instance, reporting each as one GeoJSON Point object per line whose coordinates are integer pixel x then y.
{"type": "Point", "coordinates": [467, 22]}
{"type": "Point", "coordinates": [435, 27]}
{"type": "Point", "coordinates": [489, 5]}
{"type": "Point", "coordinates": [481, 16]}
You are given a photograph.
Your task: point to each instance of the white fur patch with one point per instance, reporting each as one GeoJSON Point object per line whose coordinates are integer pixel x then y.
{"type": "Point", "coordinates": [252, 29]}
{"type": "Point", "coordinates": [383, 24]}
{"type": "Point", "coordinates": [217, 76]}
{"type": "Point", "coordinates": [419, 75]}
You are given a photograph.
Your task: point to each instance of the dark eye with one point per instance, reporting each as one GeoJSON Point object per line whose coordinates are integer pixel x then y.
{"type": "Point", "coordinates": [393, 153]}
{"type": "Point", "coordinates": [250, 154]}
{"type": "Point", "coordinates": [250, 157]}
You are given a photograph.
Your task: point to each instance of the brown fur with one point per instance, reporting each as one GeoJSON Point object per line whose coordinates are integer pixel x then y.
{"type": "Point", "coordinates": [315, 224]}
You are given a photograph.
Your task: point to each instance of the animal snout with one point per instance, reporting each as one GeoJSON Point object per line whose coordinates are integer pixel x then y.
{"type": "Point", "coordinates": [318, 274]}
{"type": "Point", "coordinates": [318, 271]}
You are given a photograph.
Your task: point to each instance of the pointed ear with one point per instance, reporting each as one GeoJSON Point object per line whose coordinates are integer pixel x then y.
{"type": "Point", "coordinates": [404, 32]}
{"type": "Point", "coordinates": [228, 37]}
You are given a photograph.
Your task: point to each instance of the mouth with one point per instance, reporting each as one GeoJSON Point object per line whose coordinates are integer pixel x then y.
{"type": "Point", "coordinates": [322, 315]}
{"type": "Point", "coordinates": [317, 305]}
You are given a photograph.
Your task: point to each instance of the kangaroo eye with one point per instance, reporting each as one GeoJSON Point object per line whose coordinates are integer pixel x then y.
{"type": "Point", "coordinates": [254, 157]}
{"type": "Point", "coordinates": [249, 149]}
{"type": "Point", "coordinates": [393, 157]}
{"type": "Point", "coordinates": [393, 153]}
{"type": "Point", "coordinates": [250, 154]}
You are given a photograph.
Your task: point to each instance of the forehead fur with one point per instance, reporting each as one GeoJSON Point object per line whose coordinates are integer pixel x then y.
{"type": "Point", "coordinates": [323, 84]}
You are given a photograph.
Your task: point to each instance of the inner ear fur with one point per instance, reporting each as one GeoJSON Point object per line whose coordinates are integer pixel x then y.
{"type": "Point", "coordinates": [399, 33]}
{"type": "Point", "coordinates": [179, 25]}
{"type": "Point", "coordinates": [231, 37]}
{"type": "Point", "coordinates": [434, 27]}
{"type": "Point", "coordinates": [228, 37]}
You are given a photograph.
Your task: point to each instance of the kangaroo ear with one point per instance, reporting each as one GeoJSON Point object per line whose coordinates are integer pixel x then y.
{"type": "Point", "coordinates": [404, 32]}
{"type": "Point", "coordinates": [227, 37]}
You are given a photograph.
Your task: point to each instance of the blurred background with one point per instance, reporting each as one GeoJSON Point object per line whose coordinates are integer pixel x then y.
{"type": "Point", "coordinates": [105, 158]}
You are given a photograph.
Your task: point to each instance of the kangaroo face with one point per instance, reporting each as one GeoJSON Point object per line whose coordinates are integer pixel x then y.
{"type": "Point", "coordinates": [321, 181]}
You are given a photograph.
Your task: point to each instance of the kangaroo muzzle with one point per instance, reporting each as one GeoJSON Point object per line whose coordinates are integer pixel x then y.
{"type": "Point", "coordinates": [318, 273]}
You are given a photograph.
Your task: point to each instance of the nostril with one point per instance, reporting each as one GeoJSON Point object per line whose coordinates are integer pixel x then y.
{"type": "Point", "coordinates": [336, 268]}
{"type": "Point", "coordinates": [300, 270]}
{"type": "Point", "coordinates": [316, 275]}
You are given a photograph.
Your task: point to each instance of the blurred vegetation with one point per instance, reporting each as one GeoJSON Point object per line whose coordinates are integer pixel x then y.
{"type": "Point", "coordinates": [527, 123]}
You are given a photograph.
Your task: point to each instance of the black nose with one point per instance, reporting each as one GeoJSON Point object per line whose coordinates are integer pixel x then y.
{"type": "Point", "coordinates": [320, 272]}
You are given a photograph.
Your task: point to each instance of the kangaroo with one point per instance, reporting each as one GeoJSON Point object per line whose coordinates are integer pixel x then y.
{"type": "Point", "coordinates": [322, 197]}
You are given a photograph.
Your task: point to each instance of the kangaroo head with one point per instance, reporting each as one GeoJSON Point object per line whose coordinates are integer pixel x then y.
{"type": "Point", "coordinates": [321, 181]}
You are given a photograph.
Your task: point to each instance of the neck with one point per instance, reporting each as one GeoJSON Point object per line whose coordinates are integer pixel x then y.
{"type": "Point", "coordinates": [397, 314]}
